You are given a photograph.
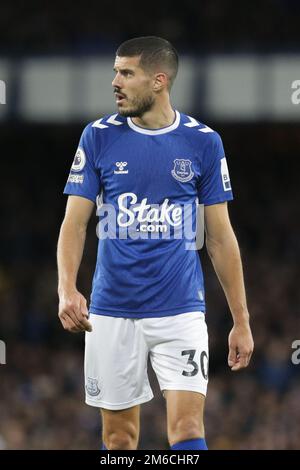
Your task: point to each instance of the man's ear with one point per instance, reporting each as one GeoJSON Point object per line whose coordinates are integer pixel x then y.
{"type": "Point", "coordinates": [160, 81]}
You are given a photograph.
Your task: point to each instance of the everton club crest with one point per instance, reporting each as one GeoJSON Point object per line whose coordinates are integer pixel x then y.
{"type": "Point", "coordinates": [92, 387]}
{"type": "Point", "coordinates": [182, 170]}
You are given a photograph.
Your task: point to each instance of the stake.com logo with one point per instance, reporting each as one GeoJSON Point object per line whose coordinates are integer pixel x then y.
{"type": "Point", "coordinates": [144, 220]}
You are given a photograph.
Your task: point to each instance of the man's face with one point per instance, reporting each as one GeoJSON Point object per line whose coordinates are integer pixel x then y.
{"type": "Point", "coordinates": [132, 87]}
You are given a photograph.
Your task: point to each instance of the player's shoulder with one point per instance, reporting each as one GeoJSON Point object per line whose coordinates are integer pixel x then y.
{"type": "Point", "coordinates": [107, 123]}
{"type": "Point", "coordinates": [196, 130]}
{"type": "Point", "coordinates": [102, 131]}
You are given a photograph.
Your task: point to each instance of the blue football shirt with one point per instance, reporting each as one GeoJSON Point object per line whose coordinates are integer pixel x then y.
{"type": "Point", "coordinates": [143, 180]}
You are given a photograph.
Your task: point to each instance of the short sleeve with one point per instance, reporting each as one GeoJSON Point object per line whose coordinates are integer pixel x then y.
{"type": "Point", "coordinates": [84, 178]}
{"type": "Point", "coordinates": [214, 183]}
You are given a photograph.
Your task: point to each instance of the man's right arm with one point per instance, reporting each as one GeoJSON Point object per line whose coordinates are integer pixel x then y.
{"type": "Point", "coordinates": [73, 312]}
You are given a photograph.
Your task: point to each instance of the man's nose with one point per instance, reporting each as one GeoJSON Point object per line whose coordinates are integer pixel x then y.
{"type": "Point", "coordinates": [116, 82]}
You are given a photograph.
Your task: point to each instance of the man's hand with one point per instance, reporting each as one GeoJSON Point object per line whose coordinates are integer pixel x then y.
{"type": "Point", "coordinates": [241, 346]}
{"type": "Point", "coordinates": [73, 312]}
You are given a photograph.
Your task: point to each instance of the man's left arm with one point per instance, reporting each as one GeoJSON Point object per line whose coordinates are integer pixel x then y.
{"type": "Point", "coordinates": [223, 249]}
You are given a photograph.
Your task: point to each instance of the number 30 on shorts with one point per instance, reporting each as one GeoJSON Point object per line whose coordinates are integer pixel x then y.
{"type": "Point", "coordinates": [203, 363]}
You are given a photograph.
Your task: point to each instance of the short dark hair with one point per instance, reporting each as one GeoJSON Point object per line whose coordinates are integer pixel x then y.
{"type": "Point", "coordinates": [153, 52]}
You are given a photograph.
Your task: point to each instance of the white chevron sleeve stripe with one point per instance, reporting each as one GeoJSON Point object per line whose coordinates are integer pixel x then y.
{"type": "Point", "coordinates": [98, 124]}
{"type": "Point", "coordinates": [206, 129]}
{"type": "Point", "coordinates": [112, 120]}
{"type": "Point", "coordinates": [192, 123]}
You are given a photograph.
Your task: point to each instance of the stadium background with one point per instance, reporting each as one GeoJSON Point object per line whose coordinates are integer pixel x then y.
{"type": "Point", "coordinates": [253, 52]}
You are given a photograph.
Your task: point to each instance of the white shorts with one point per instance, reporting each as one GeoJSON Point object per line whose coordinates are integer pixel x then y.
{"type": "Point", "coordinates": [117, 350]}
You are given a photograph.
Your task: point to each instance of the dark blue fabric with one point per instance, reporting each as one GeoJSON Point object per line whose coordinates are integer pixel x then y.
{"type": "Point", "coordinates": [192, 444]}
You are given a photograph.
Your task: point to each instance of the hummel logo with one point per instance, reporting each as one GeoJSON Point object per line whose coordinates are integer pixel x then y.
{"type": "Point", "coordinates": [121, 166]}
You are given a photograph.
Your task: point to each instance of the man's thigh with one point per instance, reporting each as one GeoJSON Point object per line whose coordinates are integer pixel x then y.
{"type": "Point", "coordinates": [179, 353]}
{"type": "Point", "coordinates": [115, 364]}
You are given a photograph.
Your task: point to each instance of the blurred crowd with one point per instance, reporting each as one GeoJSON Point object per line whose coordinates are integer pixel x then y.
{"type": "Point", "coordinates": [41, 386]}
{"type": "Point", "coordinates": [209, 25]}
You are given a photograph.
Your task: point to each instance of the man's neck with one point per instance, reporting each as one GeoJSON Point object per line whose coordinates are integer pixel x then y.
{"type": "Point", "coordinates": [156, 118]}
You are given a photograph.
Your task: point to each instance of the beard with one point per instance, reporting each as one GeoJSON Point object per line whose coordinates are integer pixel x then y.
{"type": "Point", "coordinates": [138, 106]}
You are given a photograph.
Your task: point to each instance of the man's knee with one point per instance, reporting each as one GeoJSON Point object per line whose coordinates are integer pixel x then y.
{"type": "Point", "coordinates": [120, 430]}
{"type": "Point", "coordinates": [185, 428]}
{"type": "Point", "coordinates": [120, 440]}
